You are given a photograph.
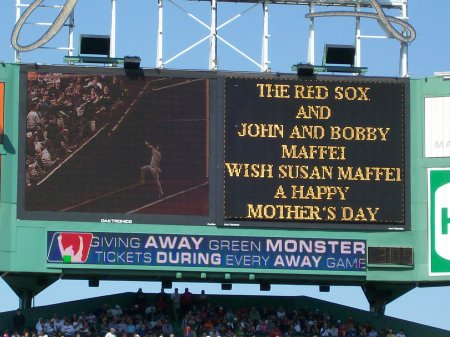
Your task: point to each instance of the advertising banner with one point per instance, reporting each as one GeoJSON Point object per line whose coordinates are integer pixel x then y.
{"type": "Point", "coordinates": [198, 251]}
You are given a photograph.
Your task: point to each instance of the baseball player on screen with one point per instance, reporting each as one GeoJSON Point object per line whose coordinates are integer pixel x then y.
{"type": "Point", "coordinates": [153, 168]}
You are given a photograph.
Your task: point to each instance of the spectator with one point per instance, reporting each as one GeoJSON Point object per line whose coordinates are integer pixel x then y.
{"type": "Point", "coordinates": [298, 326]}
{"type": "Point", "coordinates": [19, 320]}
{"type": "Point", "coordinates": [325, 331]}
{"type": "Point", "coordinates": [150, 312]}
{"type": "Point", "coordinates": [167, 328]}
{"type": "Point", "coordinates": [44, 157]}
{"type": "Point", "coordinates": [68, 330]}
{"type": "Point", "coordinates": [401, 333]}
{"type": "Point", "coordinates": [210, 320]}
{"type": "Point", "coordinates": [116, 311]}
{"type": "Point", "coordinates": [281, 313]}
{"type": "Point", "coordinates": [141, 328]}
{"type": "Point", "coordinates": [202, 299]}
{"type": "Point", "coordinates": [372, 333]}
{"type": "Point", "coordinates": [188, 332]}
{"type": "Point", "coordinates": [140, 300]}
{"type": "Point", "coordinates": [33, 118]}
{"type": "Point", "coordinates": [57, 103]}
{"type": "Point", "coordinates": [362, 332]}
{"type": "Point", "coordinates": [186, 301]}
{"type": "Point", "coordinates": [61, 322]}
{"type": "Point", "coordinates": [40, 325]}
{"type": "Point", "coordinates": [175, 297]}
{"type": "Point", "coordinates": [122, 325]}
{"type": "Point", "coordinates": [275, 332]}
{"type": "Point", "coordinates": [52, 132]}
{"type": "Point", "coordinates": [94, 83]}
{"type": "Point", "coordinates": [334, 332]}
{"type": "Point", "coordinates": [131, 327]}
{"type": "Point", "coordinates": [162, 302]}
{"type": "Point", "coordinates": [111, 333]}
{"type": "Point", "coordinates": [390, 333]}
{"type": "Point", "coordinates": [342, 329]}
{"type": "Point", "coordinates": [254, 315]}
{"type": "Point", "coordinates": [49, 328]}
{"type": "Point", "coordinates": [351, 332]}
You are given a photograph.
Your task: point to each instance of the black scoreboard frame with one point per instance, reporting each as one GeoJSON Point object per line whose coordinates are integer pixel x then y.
{"type": "Point", "coordinates": [217, 104]}
{"type": "Point", "coordinates": [402, 223]}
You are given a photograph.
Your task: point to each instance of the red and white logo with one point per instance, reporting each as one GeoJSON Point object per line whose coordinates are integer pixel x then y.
{"type": "Point", "coordinates": [69, 247]}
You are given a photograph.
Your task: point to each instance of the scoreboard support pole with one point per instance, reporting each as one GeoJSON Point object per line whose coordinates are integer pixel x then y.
{"type": "Point", "coordinates": [380, 295]}
{"type": "Point", "coordinates": [27, 285]}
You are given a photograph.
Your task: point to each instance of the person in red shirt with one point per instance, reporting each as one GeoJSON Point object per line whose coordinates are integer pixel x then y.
{"type": "Point", "coordinates": [186, 301]}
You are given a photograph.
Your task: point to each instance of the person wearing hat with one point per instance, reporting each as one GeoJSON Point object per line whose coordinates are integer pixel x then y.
{"type": "Point", "coordinates": [111, 333]}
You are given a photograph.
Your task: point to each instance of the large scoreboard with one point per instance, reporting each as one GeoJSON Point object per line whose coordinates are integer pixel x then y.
{"type": "Point", "coordinates": [240, 151]}
{"type": "Point", "coordinates": [215, 176]}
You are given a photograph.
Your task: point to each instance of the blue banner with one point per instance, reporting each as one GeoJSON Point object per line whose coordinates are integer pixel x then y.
{"type": "Point", "coordinates": [159, 250]}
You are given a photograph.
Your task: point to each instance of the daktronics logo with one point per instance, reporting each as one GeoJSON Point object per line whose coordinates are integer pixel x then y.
{"type": "Point", "coordinates": [442, 221]}
{"type": "Point", "coordinates": [69, 247]}
{"type": "Point", "coordinates": [116, 221]}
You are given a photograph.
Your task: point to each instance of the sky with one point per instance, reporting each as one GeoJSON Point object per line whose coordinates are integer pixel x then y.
{"type": "Point", "coordinates": [288, 29]}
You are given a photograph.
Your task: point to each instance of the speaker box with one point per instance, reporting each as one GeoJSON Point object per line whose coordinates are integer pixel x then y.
{"type": "Point", "coordinates": [95, 45]}
{"type": "Point", "coordinates": [339, 54]}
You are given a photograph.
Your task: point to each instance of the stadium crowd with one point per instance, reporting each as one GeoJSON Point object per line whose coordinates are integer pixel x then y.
{"type": "Point", "coordinates": [188, 315]}
{"type": "Point", "coordinates": [63, 111]}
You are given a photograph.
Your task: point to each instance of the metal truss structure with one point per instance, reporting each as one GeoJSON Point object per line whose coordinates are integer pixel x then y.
{"type": "Point", "coordinates": [358, 10]}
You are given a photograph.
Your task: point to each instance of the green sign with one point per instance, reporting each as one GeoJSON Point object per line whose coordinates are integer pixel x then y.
{"type": "Point", "coordinates": [439, 220]}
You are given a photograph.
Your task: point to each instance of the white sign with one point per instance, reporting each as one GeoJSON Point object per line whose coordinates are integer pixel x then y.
{"type": "Point", "coordinates": [437, 127]}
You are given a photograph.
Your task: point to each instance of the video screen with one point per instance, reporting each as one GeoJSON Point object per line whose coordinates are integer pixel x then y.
{"type": "Point", "coordinates": [316, 151]}
{"type": "Point", "coordinates": [114, 148]}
